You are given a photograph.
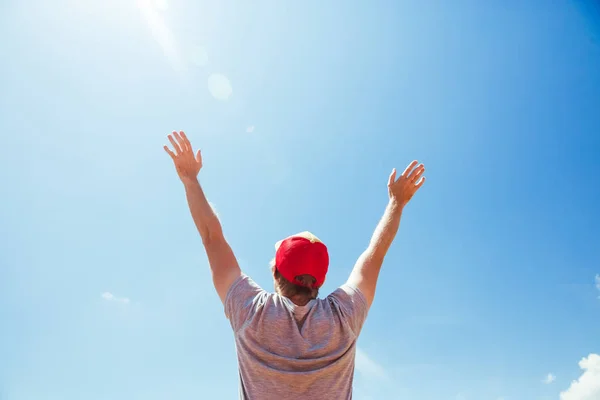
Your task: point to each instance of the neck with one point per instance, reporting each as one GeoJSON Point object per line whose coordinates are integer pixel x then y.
{"type": "Point", "coordinates": [300, 300]}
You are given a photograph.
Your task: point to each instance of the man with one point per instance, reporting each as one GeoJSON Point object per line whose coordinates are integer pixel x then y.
{"type": "Point", "coordinates": [290, 344]}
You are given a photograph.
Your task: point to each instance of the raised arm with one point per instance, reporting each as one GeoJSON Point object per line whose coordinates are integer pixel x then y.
{"type": "Point", "coordinates": [366, 270]}
{"type": "Point", "coordinates": [223, 264]}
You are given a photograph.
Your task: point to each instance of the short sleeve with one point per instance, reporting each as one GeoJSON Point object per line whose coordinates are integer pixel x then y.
{"type": "Point", "coordinates": [241, 300]}
{"type": "Point", "coordinates": [352, 305]}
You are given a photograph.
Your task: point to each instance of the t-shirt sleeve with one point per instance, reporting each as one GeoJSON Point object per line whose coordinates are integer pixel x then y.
{"type": "Point", "coordinates": [241, 300]}
{"type": "Point", "coordinates": [352, 306]}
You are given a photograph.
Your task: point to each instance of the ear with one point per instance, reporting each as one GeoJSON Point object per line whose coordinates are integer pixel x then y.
{"type": "Point", "coordinates": [272, 266]}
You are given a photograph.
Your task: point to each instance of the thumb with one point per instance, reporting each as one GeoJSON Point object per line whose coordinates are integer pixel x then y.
{"type": "Point", "coordinates": [392, 178]}
{"type": "Point", "coordinates": [198, 156]}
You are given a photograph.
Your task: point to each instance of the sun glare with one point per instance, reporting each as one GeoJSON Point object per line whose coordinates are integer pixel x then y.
{"type": "Point", "coordinates": [151, 11]}
{"type": "Point", "coordinates": [219, 86]}
{"type": "Point", "coordinates": [161, 5]}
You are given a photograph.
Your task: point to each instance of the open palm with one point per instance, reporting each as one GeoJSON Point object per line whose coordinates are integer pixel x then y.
{"type": "Point", "coordinates": [404, 188]}
{"type": "Point", "coordinates": [186, 163]}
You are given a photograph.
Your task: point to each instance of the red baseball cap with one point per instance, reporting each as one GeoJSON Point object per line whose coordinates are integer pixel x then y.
{"type": "Point", "coordinates": [302, 254]}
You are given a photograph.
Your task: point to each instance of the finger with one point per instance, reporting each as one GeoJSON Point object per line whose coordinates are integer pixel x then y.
{"type": "Point", "coordinates": [392, 177]}
{"type": "Point", "coordinates": [198, 156]}
{"type": "Point", "coordinates": [420, 183]}
{"type": "Point", "coordinates": [416, 174]}
{"type": "Point", "coordinates": [409, 168]}
{"type": "Point", "coordinates": [187, 142]}
{"type": "Point", "coordinates": [180, 140]}
{"type": "Point", "coordinates": [175, 144]}
{"type": "Point", "coordinates": [169, 152]}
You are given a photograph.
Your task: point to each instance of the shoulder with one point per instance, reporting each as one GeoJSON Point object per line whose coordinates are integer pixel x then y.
{"type": "Point", "coordinates": [242, 297]}
{"type": "Point", "coordinates": [350, 304]}
{"type": "Point", "coordinates": [348, 294]}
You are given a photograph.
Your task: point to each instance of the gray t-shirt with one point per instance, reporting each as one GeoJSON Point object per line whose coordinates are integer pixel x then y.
{"type": "Point", "coordinates": [287, 351]}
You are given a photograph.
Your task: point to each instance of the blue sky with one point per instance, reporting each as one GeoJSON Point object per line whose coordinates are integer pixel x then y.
{"type": "Point", "coordinates": [301, 110]}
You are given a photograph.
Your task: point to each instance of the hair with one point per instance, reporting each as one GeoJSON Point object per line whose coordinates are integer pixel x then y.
{"type": "Point", "coordinates": [290, 290]}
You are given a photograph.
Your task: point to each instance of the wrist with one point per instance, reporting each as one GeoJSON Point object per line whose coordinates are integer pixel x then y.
{"type": "Point", "coordinates": [190, 181]}
{"type": "Point", "coordinates": [395, 205]}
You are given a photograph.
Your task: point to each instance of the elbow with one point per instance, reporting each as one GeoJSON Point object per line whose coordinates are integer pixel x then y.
{"type": "Point", "coordinates": [375, 254]}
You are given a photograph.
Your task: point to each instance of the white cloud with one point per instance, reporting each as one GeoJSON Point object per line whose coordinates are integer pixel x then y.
{"type": "Point", "coordinates": [111, 297]}
{"type": "Point", "coordinates": [250, 129]}
{"type": "Point", "coordinates": [587, 387]}
{"type": "Point", "coordinates": [598, 283]}
{"type": "Point", "coordinates": [219, 86]}
{"type": "Point", "coordinates": [549, 379]}
{"type": "Point", "coordinates": [367, 367]}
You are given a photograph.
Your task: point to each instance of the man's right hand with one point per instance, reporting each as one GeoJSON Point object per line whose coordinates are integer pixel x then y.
{"type": "Point", "coordinates": [187, 165]}
{"type": "Point", "coordinates": [365, 273]}
{"type": "Point", "coordinates": [401, 190]}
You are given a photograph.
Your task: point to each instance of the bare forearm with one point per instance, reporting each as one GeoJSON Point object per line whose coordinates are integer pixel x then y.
{"type": "Point", "coordinates": [366, 271]}
{"type": "Point", "coordinates": [223, 264]}
{"type": "Point", "coordinates": [386, 230]}
{"type": "Point", "coordinates": [204, 217]}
